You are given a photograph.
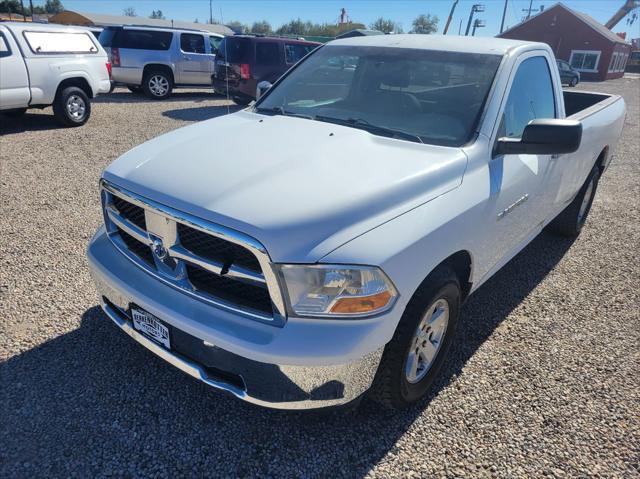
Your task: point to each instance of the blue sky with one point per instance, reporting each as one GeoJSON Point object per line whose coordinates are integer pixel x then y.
{"type": "Point", "coordinates": [365, 11]}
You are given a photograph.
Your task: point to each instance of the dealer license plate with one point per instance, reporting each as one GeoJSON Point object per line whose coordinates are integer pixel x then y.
{"type": "Point", "coordinates": [150, 326]}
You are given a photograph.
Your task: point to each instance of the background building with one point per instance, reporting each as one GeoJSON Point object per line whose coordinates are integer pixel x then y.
{"type": "Point", "coordinates": [590, 47]}
{"type": "Point", "coordinates": [69, 17]}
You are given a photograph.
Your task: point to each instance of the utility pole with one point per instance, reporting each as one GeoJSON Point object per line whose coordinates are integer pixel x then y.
{"type": "Point", "coordinates": [453, 7]}
{"type": "Point", "coordinates": [210, 12]}
{"type": "Point", "coordinates": [504, 14]}
{"type": "Point", "coordinates": [477, 23]}
{"type": "Point", "coordinates": [460, 27]}
{"type": "Point", "coordinates": [475, 8]}
{"type": "Point", "coordinates": [24, 15]}
{"type": "Point", "coordinates": [31, 6]}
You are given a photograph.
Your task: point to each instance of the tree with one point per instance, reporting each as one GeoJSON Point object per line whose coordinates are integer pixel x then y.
{"type": "Point", "coordinates": [129, 12]}
{"type": "Point", "coordinates": [387, 26]}
{"type": "Point", "coordinates": [425, 24]}
{"type": "Point", "coordinates": [238, 26]}
{"type": "Point", "coordinates": [12, 6]}
{"type": "Point", "coordinates": [157, 14]}
{"type": "Point", "coordinates": [294, 27]}
{"type": "Point", "coordinates": [261, 27]}
{"type": "Point", "coordinates": [53, 6]}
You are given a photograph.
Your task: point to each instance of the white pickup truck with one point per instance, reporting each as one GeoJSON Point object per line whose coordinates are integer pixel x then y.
{"type": "Point", "coordinates": [320, 244]}
{"type": "Point", "coordinates": [44, 64]}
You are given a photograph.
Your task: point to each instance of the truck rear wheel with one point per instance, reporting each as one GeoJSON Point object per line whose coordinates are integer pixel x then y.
{"type": "Point", "coordinates": [573, 217]}
{"type": "Point", "coordinates": [412, 359]}
{"type": "Point", "coordinates": [72, 106]}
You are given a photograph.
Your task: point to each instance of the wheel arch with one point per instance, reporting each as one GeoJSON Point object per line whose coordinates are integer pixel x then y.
{"type": "Point", "coordinates": [159, 66]}
{"type": "Point", "coordinates": [601, 161]}
{"type": "Point", "coordinates": [79, 82]}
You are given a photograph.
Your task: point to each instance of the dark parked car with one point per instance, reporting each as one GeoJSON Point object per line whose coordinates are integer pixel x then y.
{"type": "Point", "coordinates": [568, 75]}
{"type": "Point", "coordinates": [245, 60]}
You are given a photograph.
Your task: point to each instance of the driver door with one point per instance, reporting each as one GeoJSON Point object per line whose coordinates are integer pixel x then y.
{"type": "Point", "coordinates": [523, 187]}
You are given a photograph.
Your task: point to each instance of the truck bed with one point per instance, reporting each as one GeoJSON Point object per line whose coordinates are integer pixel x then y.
{"type": "Point", "coordinates": [576, 102]}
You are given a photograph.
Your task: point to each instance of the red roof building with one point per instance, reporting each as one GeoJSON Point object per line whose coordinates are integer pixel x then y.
{"type": "Point", "coordinates": [590, 47]}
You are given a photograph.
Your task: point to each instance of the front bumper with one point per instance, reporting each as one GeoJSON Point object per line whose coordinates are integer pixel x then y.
{"type": "Point", "coordinates": [307, 364]}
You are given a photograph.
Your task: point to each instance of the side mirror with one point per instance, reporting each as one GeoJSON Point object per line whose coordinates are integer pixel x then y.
{"type": "Point", "coordinates": [543, 137]}
{"type": "Point", "coordinates": [263, 86]}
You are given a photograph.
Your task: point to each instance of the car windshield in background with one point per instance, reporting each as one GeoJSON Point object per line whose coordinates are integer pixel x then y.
{"type": "Point", "coordinates": [416, 95]}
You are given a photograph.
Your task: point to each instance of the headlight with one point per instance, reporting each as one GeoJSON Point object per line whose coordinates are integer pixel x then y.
{"type": "Point", "coordinates": [336, 290]}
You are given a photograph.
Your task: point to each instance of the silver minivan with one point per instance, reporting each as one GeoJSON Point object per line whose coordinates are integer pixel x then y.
{"type": "Point", "coordinates": [156, 60]}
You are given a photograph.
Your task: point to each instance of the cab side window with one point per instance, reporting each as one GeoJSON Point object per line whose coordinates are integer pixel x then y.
{"type": "Point", "coordinates": [191, 43]}
{"type": "Point", "coordinates": [5, 51]}
{"type": "Point", "coordinates": [531, 97]}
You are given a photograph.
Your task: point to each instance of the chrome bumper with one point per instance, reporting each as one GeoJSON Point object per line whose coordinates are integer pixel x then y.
{"type": "Point", "coordinates": [311, 380]}
{"type": "Point", "coordinates": [269, 385]}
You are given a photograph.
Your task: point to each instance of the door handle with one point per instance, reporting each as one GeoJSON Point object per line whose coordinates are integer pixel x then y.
{"type": "Point", "coordinates": [555, 157]}
{"type": "Point", "coordinates": [184, 57]}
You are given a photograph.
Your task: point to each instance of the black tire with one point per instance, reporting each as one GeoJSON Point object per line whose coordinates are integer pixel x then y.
{"type": "Point", "coordinates": [391, 387]}
{"type": "Point", "coordinates": [135, 89]}
{"type": "Point", "coordinates": [570, 222]}
{"type": "Point", "coordinates": [573, 82]}
{"type": "Point", "coordinates": [157, 84]}
{"type": "Point", "coordinates": [16, 113]}
{"type": "Point", "coordinates": [72, 106]}
{"type": "Point", "coordinates": [242, 101]}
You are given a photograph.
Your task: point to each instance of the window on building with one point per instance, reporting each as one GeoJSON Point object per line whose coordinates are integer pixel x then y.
{"type": "Point", "coordinates": [585, 60]}
{"type": "Point", "coordinates": [612, 63]}
{"type": "Point", "coordinates": [531, 96]}
{"type": "Point", "coordinates": [191, 43]}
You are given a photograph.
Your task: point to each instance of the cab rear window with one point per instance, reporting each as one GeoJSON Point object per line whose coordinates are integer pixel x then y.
{"type": "Point", "coordinates": [60, 42]}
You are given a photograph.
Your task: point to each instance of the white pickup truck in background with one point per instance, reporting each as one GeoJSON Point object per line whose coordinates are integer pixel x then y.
{"type": "Point", "coordinates": [43, 65]}
{"type": "Point", "coordinates": [328, 250]}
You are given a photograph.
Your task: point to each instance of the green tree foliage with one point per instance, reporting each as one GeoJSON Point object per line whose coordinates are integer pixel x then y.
{"type": "Point", "coordinates": [425, 24]}
{"type": "Point", "coordinates": [301, 28]}
{"type": "Point", "coordinates": [12, 6]}
{"type": "Point", "coordinates": [387, 26]}
{"type": "Point", "coordinates": [157, 14]}
{"type": "Point", "coordinates": [53, 6]}
{"type": "Point", "coordinates": [238, 26]}
{"type": "Point", "coordinates": [261, 27]}
{"type": "Point", "coordinates": [129, 12]}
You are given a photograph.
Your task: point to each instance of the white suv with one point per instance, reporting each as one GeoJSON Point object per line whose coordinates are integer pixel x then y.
{"type": "Point", "coordinates": [43, 65]}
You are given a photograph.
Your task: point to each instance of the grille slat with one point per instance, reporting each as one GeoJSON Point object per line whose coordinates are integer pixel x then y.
{"type": "Point", "coordinates": [217, 249]}
{"type": "Point", "coordinates": [243, 294]}
{"type": "Point", "coordinates": [136, 247]}
{"type": "Point", "coordinates": [132, 212]}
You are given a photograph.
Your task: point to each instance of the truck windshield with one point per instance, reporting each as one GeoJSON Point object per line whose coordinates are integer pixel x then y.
{"type": "Point", "coordinates": [416, 95]}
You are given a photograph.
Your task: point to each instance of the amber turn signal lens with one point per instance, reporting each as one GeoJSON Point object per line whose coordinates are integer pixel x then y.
{"type": "Point", "coordinates": [361, 304]}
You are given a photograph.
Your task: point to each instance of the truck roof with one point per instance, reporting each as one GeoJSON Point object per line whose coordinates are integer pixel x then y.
{"type": "Point", "coordinates": [486, 45]}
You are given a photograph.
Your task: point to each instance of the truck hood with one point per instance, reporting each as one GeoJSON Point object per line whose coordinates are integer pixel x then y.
{"type": "Point", "coordinates": [300, 187]}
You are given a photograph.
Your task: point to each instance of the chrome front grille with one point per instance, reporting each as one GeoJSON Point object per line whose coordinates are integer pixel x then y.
{"type": "Point", "coordinates": [213, 263]}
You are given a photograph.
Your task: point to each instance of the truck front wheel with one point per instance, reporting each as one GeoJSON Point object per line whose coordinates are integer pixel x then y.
{"type": "Point", "coordinates": [573, 217]}
{"type": "Point", "coordinates": [412, 359]}
{"type": "Point", "coordinates": [72, 106]}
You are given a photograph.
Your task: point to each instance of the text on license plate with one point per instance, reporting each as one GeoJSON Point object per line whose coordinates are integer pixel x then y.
{"type": "Point", "coordinates": [150, 326]}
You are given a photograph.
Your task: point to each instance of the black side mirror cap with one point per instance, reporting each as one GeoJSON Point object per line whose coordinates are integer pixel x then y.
{"type": "Point", "coordinates": [543, 137]}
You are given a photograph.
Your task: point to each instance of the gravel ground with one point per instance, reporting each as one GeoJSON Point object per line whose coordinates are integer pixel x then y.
{"type": "Point", "coordinates": [543, 379]}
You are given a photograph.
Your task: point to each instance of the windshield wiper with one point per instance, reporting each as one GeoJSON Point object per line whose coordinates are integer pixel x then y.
{"type": "Point", "coordinates": [371, 128]}
{"type": "Point", "coordinates": [279, 110]}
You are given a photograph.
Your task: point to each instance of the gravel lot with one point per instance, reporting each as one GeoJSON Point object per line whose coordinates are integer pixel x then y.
{"type": "Point", "coordinates": [544, 378]}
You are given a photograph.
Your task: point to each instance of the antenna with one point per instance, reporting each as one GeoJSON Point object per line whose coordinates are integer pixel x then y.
{"type": "Point", "coordinates": [226, 61]}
